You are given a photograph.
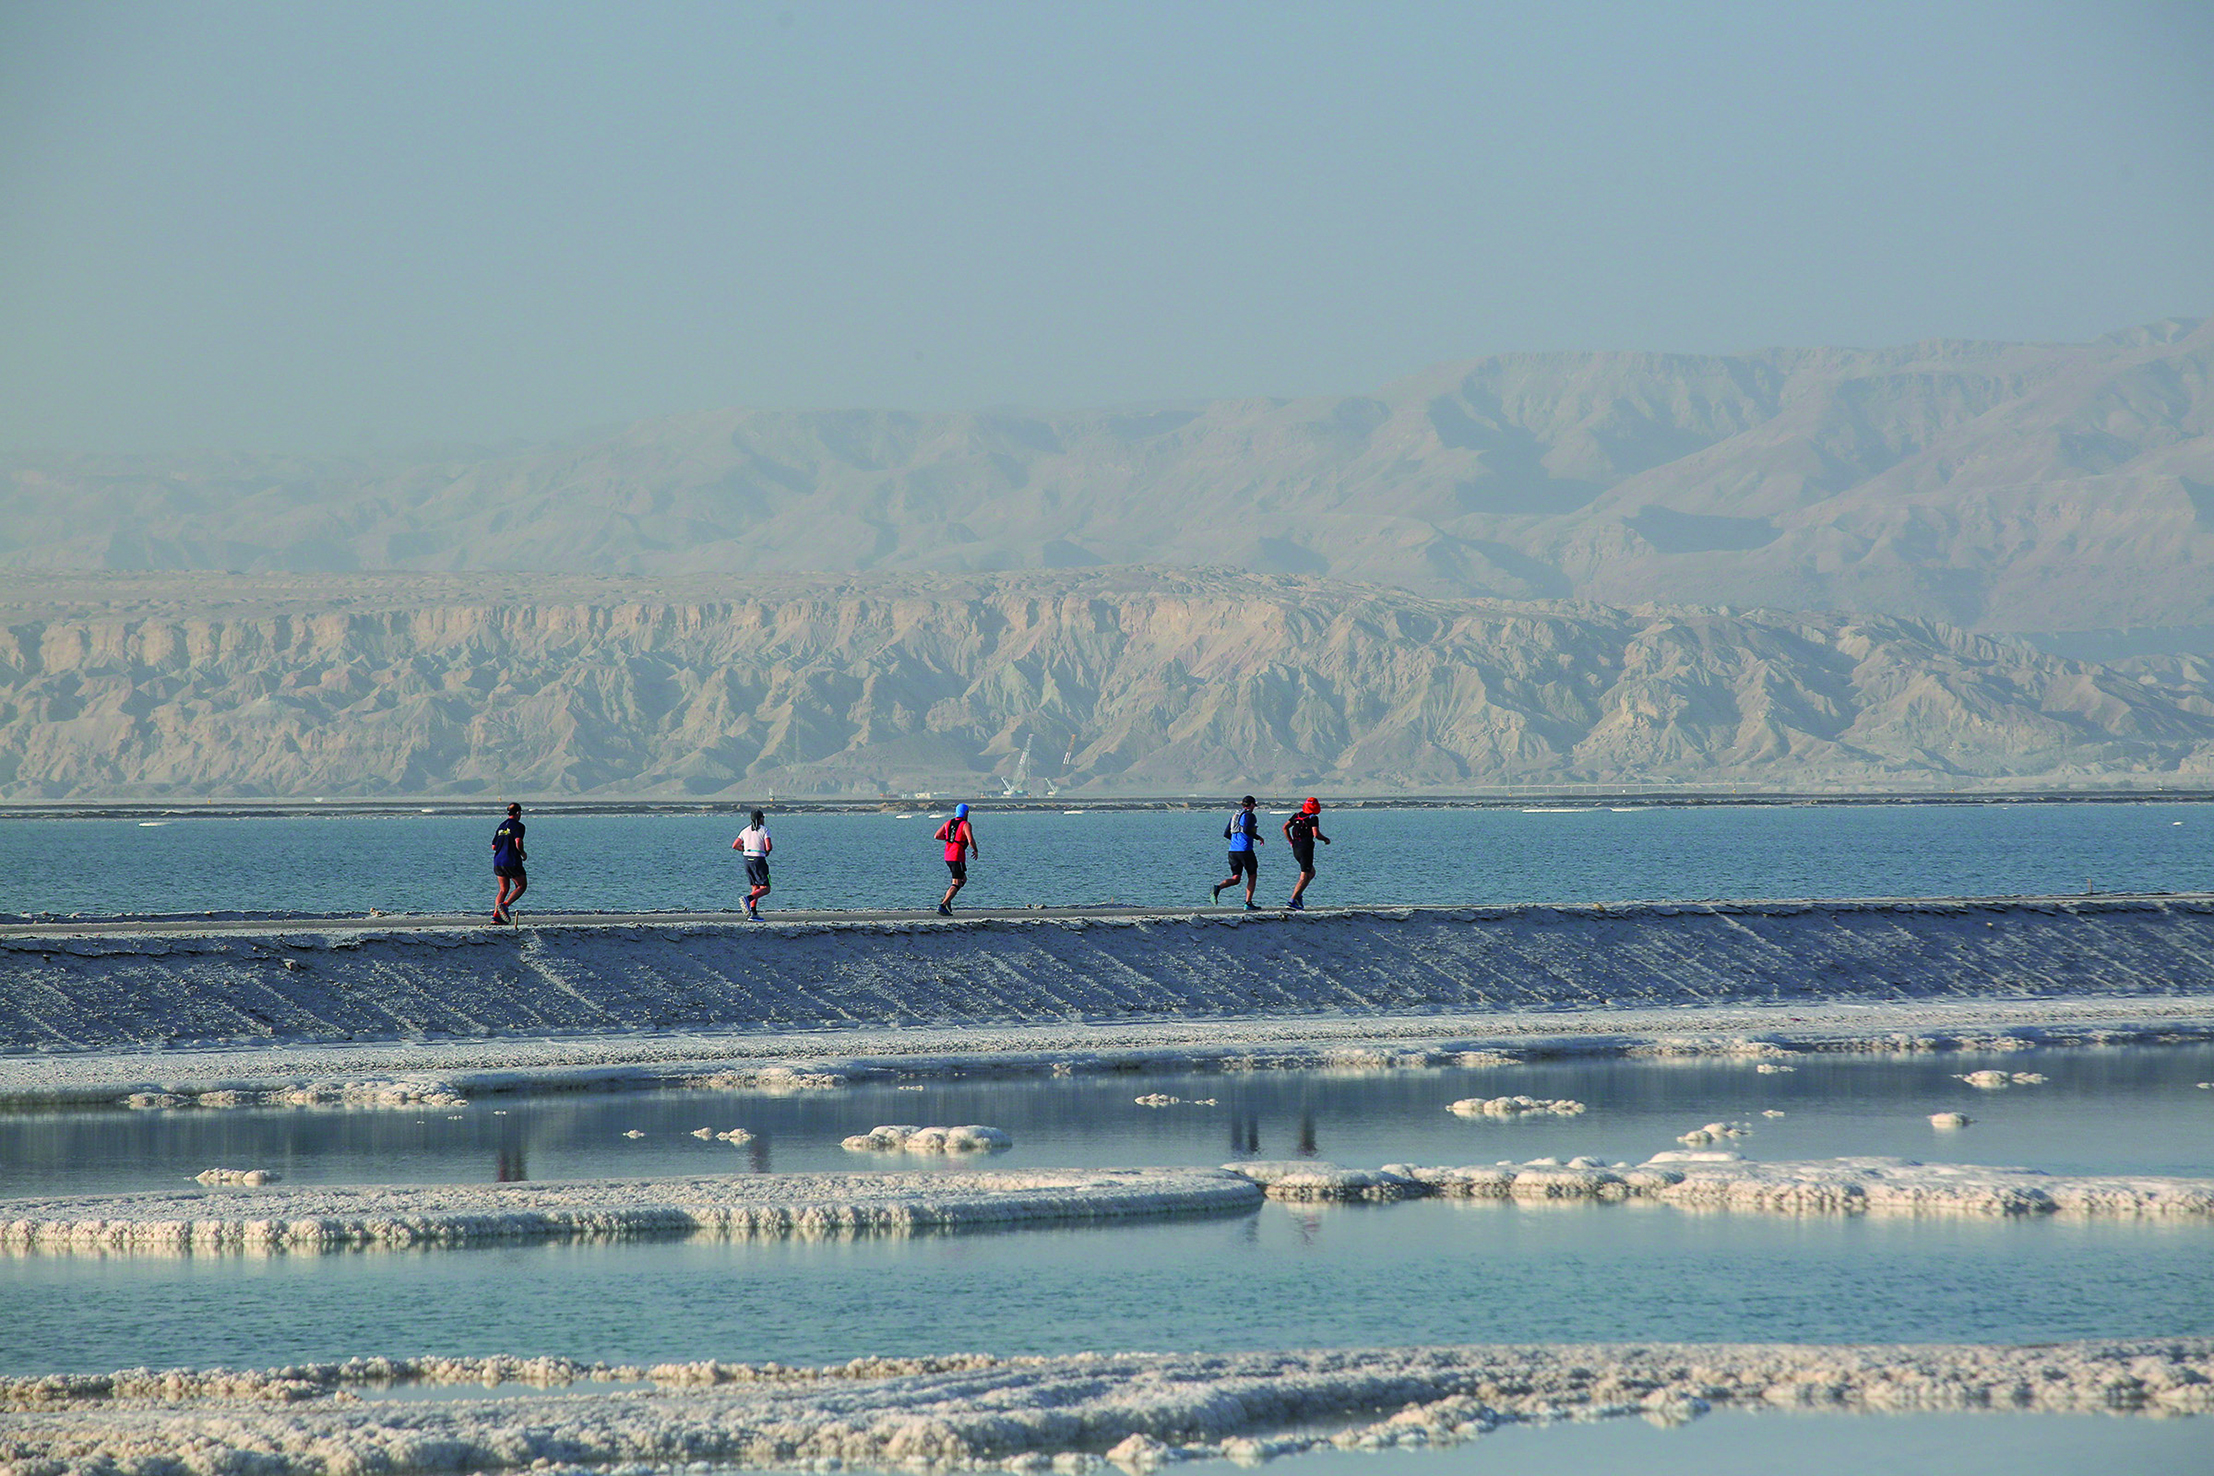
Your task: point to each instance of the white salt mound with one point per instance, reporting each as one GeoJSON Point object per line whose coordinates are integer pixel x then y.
{"type": "Point", "coordinates": [1770, 1068]}
{"type": "Point", "coordinates": [1157, 1099]}
{"type": "Point", "coordinates": [1989, 1081]}
{"type": "Point", "coordinates": [900, 1137]}
{"type": "Point", "coordinates": [1516, 1107]}
{"type": "Point", "coordinates": [1714, 1132]}
{"type": "Point", "coordinates": [634, 1133]}
{"type": "Point", "coordinates": [254, 1177]}
{"type": "Point", "coordinates": [1771, 1112]}
{"type": "Point", "coordinates": [1950, 1119]}
{"type": "Point", "coordinates": [2028, 1078]}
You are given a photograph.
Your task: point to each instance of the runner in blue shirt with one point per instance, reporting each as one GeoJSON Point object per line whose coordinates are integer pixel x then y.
{"type": "Point", "coordinates": [1244, 834]}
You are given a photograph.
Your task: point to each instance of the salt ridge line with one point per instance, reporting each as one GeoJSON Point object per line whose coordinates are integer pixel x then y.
{"type": "Point", "coordinates": [1723, 1181]}
{"type": "Point", "coordinates": [295, 982]}
{"type": "Point", "coordinates": [414, 1075]}
{"type": "Point", "coordinates": [803, 1206]}
{"type": "Point", "coordinates": [1138, 1410]}
{"type": "Point", "coordinates": [322, 1219]}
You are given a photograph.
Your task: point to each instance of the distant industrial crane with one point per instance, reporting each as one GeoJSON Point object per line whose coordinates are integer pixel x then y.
{"type": "Point", "coordinates": [1016, 787]}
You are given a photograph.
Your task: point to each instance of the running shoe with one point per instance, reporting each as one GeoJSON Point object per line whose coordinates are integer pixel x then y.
{"type": "Point", "coordinates": [1295, 905]}
{"type": "Point", "coordinates": [1214, 893]}
{"type": "Point", "coordinates": [944, 911]}
{"type": "Point", "coordinates": [1253, 907]}
{"type": "Point", "coordinates": [753, 913]}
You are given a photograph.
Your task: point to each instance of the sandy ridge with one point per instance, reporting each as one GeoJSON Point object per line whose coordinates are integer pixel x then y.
{"type": "Point", "coordinates": [1138, 1410]}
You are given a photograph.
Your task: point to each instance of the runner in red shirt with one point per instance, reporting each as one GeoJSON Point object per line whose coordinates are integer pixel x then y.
{"type": "Point", "coordinates": [960, 839]}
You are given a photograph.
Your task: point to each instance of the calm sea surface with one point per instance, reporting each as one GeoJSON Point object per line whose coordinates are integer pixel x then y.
{"type": "Point", "coordinates": [656, 862]}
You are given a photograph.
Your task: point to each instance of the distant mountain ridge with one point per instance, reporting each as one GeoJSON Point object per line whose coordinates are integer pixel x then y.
{"type": "Point", "coordinates": [1119, 682]}
{"type": "Point", "coordinates": [1999, 487]}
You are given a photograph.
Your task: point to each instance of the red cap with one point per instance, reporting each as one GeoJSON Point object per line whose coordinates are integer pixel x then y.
{"type": "Point", "coordinates": [1313, 806]}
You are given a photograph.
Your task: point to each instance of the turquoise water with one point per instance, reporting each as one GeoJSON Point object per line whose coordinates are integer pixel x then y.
{"type": "Point", "coordinates": [1340, 1276]}
{"type": "Point", "coordinates": [435, 863]}
{"type": "Point", "coordinates": [1282, 1277]}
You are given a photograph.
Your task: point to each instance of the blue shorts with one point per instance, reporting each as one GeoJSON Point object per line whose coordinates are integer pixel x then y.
{"type": "Point", "coordinates": [1244, 863]}
{"type": "Point", "coordinates": [757, 871]}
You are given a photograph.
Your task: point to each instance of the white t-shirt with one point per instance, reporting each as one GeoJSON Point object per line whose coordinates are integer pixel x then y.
{"type": "Point", "coordinates": [754, 840]}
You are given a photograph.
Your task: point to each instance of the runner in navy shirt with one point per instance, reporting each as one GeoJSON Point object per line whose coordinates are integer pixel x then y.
{"type": "Point", "coordinates": [507, 863]}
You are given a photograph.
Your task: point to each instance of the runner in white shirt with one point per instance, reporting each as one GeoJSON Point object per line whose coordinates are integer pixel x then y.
{"type": "Point", "coordinates": [754, 841]}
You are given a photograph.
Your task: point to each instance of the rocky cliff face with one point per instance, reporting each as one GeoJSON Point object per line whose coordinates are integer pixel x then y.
{"type": "Point", "coordinates": [1994, 486]}
{"type": "Point", "coordinates": [1121, 682]}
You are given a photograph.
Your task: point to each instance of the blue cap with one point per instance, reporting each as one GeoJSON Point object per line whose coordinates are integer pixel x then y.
{"type": "Point", "coordinates": [960, 812]}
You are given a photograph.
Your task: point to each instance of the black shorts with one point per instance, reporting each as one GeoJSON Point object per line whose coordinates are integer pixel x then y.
{"type": "Point", "coordinates": [960, 870]}
{"type": "Point", "coordinates": [1304, 854]}
{"type": "Point", "coordinates": [757, 871]}
{"type": "Point", "coordinates": [1244, 863]}
{"type": "Point", "coordinates": [509, 873]}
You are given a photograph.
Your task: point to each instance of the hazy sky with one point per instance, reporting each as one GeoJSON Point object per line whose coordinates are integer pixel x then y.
{"type": "Point", "coordinates": [331, 226]}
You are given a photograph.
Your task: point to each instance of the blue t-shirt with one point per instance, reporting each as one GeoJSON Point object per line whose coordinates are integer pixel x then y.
{"type": "Point", "coordinates": [1243, 827]}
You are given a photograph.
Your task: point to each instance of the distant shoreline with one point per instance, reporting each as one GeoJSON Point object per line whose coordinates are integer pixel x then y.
{"type": "Point", "coordinates": [1558, 796]}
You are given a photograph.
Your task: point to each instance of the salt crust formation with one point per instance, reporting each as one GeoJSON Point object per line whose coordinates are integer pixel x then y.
{"type": "Point", "coordinates": [1023, 1415]}
{"type": "Point", "coordinates": [320, 1218]}
{"type": "Point", "coordinates": [251, 1178]}
{"type": "Point", "coordinates": [901, 1137]}
{"type": "Point", "coordinates": [167, 985]}
{"type": "Point", "coordinates": [1724, 1181]}
{"type": "Point", "coordinates": [1516, 1107]}
{"type": "Point", "coordinates": [1366, 1046]}
{"type": "Point", "coordinates": [313, 1219]}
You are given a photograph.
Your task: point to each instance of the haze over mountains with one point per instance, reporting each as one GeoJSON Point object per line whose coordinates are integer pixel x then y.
{"type": "Point", "coordinates": [1998, 487]}
{"type": "Point", "coordinates": [1632, 569]}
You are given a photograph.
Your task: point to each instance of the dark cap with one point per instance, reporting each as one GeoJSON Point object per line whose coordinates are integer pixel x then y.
{"type": "Point", "coordinates": [1247, 802]}
{"type": "Point", "coordinates": [515, 809]}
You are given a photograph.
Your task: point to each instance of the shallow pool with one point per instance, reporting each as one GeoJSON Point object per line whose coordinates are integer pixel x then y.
{"type": "Point", "coordinates": [2133, 1109]}
{"type": "Point", "coordinates": [1418, 1272]}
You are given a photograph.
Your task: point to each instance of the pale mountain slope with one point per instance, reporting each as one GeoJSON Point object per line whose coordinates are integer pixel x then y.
{"type": "Point", "coordinates": [1996, 486]}
{"type": "Point", "coordinates": [1148, 683]}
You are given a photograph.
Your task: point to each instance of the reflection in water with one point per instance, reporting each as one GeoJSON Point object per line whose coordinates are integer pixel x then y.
{"type": "Point", "coordinates": [509, 1167]}
{"type": "Point", "coordinates": [1306, 1134]}
{"type": "Point", "coordinates": [1245, 1134]}
{"type": "Point", "coordinates": [757, 1153]}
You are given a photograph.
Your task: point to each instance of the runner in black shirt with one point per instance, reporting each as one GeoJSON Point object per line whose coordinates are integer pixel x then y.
{"type": "Point", "coordinates": [1303, 830]}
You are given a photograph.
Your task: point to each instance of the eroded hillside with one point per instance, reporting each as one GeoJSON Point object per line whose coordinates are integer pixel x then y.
{"type": "Point", "coordinates": [1118, 682]}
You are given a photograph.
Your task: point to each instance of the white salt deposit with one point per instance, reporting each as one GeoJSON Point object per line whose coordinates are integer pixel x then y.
{"type": "Point", "coordinates": [1162, 1099]}
{"type": "Point", "coordinates": [1516, 1107]}
{"type": "Point", "coordinates": [1950, 1120]}
{"type": "Point", "coordinates": [735, 1135]}
{"type": "Point", "coordinates": [900, 1137]}
{"type": "Point", "coordinates": [1023, 1415]}
{"type": "Point", "coordinates": [1989, 1081]}
{"type": "Point", "coordinates": [1772, 1112]}
{"type": "Point", "coordinates": [1720, 1180]}
{"type": "Point", "coordinates": [254, 1177]}
{"type": "Point", "coordinates": [1771, 1068]}
{"type": "Point", "coordinates": [1714, 1132]}
{"type": "Point", "coordinates": [750, 1206]}
{"type": "Point", "coordinates": [2027, 1078]}
{"type": "Point", "coordinates": [635, 1133]}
